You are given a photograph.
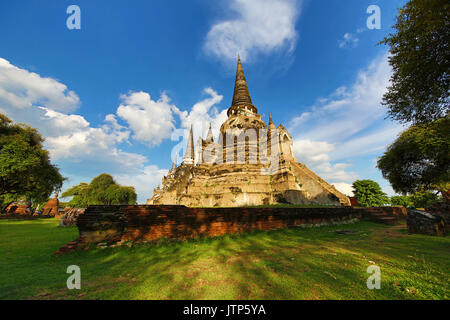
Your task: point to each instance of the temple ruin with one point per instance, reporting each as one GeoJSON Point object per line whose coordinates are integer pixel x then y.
{"type": "Point", "coordinates": [251, 164]}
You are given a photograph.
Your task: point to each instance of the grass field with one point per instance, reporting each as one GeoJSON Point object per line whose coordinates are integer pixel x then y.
{"type": "Point", "coordinates": [296, 263]}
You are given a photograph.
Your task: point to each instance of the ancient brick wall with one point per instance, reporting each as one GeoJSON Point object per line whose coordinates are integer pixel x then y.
{"type": "Point", "coordinates": [143, 223]}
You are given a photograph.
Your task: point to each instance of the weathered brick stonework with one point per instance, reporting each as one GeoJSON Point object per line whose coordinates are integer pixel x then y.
{"type": "Point", "coordinates": [143, 223]}
{"type": "Point", "coordinates": [19, 208]}
{"type": "Point", "coordinates": [425, 223]}
{"type": "Point", "coordinates": [385, 215]}
{"type": "Point", "coordinates": [51, 208]}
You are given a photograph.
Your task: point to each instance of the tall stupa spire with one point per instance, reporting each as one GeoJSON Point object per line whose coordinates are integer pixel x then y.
{"type": "Point", "coordinates": [241, 95]}
{"type": "Point", "coordinates": [189, 156]}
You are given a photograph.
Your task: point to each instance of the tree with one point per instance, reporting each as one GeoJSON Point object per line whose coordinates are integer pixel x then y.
{"type": "Point", "coordinates": [368, 193]}
{"type": "Point", "coordinates": [25, 168]}
{"type": "Point", "coordinates": [404, 201]}
{"type": "Point", "coordinates": [419, 159]}
{"type": "Point", "coordinates": [419, 199]}
{"type": "Point", "coordinates": [102, 190]}
{"type": "Point", "coordinates": [420, 58]}
{"type": "Point", "coordinates": [79, 194]}
{"type": "Point", "coordinates": [423, 199]}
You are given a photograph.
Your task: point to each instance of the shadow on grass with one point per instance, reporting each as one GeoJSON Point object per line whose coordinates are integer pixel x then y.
{"type": "Point", "coordinates": [292, 263]}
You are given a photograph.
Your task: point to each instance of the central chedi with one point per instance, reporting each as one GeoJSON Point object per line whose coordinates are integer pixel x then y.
{"type": "Point", "coordinates": [252, 163]}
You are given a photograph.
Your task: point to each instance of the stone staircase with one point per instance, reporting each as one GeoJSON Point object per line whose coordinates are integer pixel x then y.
{"type": "Point", "coordinates": [381, 215]}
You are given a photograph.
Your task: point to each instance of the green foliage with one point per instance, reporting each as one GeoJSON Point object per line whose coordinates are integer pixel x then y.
{"type": "Point", "coordinates": [420, 58]}
{"type": "Point", "coordinates": [369, 193]}
{"type": "Point", "coordinates": [419, 158]}
{"type": "Point", "coordinates": [419, 199]}
{"type": "Point", "coordinates": [404, 201]}
{"type": "Point", "coordinates": [423, 199]}
{"type": "Point", "coordinates": [102, 190]}
{"type": "Point", "coordinates": [116, 194]}
{"type": "Point", "coordinates": [79, 194]}
{"type": "Point", "coordinates": [25, 168]}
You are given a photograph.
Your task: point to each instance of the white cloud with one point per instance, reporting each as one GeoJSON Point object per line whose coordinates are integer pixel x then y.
{"type": "Point", "coordinates": [63, 122]}
{"type": "Point", "coordinates": [202, 114]}
{"type": "Point", "coordinates": [144, 181]}
{"type": "Point", "coordinates": [349, 40]}
{"type": "Point", "coordinates": [76, 140]}
{"type": "Point", "coordinates": [345, 125]}
{"type": "Point", "coordinates": [83, 150]}
{"type": "Point", "coordinates": [44, 102]}
{"type": "Point", "coordinates": [315, 154]}
{"type": "Point", "coordinates": [367, 144]}
{"type": "Point", "coordinates": [96, 150]}
{"type": "Point", "coordinates": [22, 89]}
{"type": "Point", "coordinates": [345, 188]}
{"type": "Point", "coordinates": [151, 121]}
{"type": "Point", "coordinates": [349, 110]}
{"type": "Point", "coordinates": [259, 26]}
{"type": "Point", "coordinates": [154, 121]}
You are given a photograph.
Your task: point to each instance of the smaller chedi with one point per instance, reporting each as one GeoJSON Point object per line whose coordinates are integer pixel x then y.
{"type": "Point", "coordinates": [51, 208]}
{"type": "Point", "coordinates": [252, 163]}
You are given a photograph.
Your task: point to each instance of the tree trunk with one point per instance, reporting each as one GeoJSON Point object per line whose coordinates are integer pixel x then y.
{"type": "Point", "coordinates": [445, 195]}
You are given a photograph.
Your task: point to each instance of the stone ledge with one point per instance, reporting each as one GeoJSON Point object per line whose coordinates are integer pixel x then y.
{"type": "Point", "coordinates": [115, 225]}
{"type": "Point", "coordinates": [425, 223]}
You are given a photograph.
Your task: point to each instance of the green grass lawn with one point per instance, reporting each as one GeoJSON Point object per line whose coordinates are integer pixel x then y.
{"type": "Point", "coordinates": [296, 263]}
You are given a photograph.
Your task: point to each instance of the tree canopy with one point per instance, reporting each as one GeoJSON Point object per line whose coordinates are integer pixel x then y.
{"type": "Point", "coordinates": [420, 58]}
{"type": "Point", "coordinates": [419, 199]}
{"type": "Point", "coordinates": [101, 190]}
{"type": "Point", "coordinates": [419, 158]}
{"type": "Point", "coordinates": [368, 193]}
{"type": "Point", "coordinates": [404, 201]}
{"type": "Point", "coordinates": [25, 167]}
{"type": "Point", "coordinates": [423, 199]}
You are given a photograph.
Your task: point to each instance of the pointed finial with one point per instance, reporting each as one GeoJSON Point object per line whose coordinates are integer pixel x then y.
{"type": "Point", "coordinates": [189, 155]}
{"type": "Point", "coordinates": [210, 136]}
{"type": "Point", "coordinates": [271, 124]}
{"type": "Point", "coordinates": [241, 95]}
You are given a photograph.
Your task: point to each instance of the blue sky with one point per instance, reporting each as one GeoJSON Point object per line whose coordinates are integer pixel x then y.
{"type": "Point", "coordinates": [110, 96]}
